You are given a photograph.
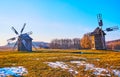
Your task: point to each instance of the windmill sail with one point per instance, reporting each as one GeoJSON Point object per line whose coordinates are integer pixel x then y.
{"type": "Point", "coordinates": [23, 28]}
{"type": "Point", "coordinates": [11, 39]}
{"type": "Point", "coordinates": [15, 31]}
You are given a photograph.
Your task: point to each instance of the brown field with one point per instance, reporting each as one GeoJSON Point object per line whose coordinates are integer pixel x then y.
{"type": "Point", "coordinates": [36, 62]}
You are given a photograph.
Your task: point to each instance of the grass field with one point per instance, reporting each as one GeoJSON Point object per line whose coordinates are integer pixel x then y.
{"type": "Point", "coordinates": [82, 63]}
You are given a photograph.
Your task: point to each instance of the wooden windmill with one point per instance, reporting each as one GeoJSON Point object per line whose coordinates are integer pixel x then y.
{"type": "Point", "coordinates": [98, 35]}
{"type": "Point", "coordinates": [24, 41]}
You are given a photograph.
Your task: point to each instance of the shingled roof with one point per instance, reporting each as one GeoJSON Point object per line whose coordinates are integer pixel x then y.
{"type": "Point", "coordinates": [25, 36]}
{"type": "Point", "coordinates": [97, 31]}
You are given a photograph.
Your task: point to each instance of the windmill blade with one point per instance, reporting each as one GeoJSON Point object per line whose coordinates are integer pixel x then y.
{"type": "Point", "coordinates": [14, 45]}
{"type": "Point", "coordinates": [12, 39]}
{"type": "Point", "coordinates": [23, 28]}
{"type": "Point", "coordinates": [15, 30]}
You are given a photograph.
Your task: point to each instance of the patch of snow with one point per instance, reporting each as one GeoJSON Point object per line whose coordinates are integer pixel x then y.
{"type": "Point", "coordinates": [62, 65]}
{"type": "Point", "coordinates": [57, 65]}
{"type": "Point", "coordinates": [79, 63]}
{"type": "Point", "coordinates": [13, 71]}
{"type": "Point", "coordinates": [116, 72]}
{"type": "Point", "coordinates": [96, 71]}
{"type": "Point", "coordinates": [100, 71]}
{"type": "Point", "coordinates": [89, 67]}
{"type": "Point", "coordinates": [72, 71]}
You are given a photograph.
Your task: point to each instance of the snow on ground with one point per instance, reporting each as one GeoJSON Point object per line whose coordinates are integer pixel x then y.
{"type": "Point", "coordinates": [116, 72]}
{"type": "Point", "coordinates": [95, 70]}
{"type": "Point", "coordinates": [62, 65]}
{"type": "Point", "coordinates": [13, 71]}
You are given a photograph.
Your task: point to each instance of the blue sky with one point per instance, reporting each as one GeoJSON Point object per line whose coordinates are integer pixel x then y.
{"type": "Point", "coordinates": [50, 19]}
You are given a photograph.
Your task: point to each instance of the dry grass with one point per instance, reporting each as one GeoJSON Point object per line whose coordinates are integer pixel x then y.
{"type": "Point", "coordinates": [34, 61]}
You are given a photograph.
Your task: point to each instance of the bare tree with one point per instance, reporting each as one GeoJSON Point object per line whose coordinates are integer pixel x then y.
{"type": "Point", "coordinates": [65, 44]}
{"type": "Point", "coordinates": [76, 43]}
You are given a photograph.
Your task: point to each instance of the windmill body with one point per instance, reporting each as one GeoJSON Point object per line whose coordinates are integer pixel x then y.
{"type": "Point", "coordinates": [24, 41]}
{"type": "Point", "coordinates": [98, 39]}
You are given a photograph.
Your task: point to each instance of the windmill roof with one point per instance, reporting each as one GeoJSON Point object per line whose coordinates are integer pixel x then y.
{"type": "Point", "coordinates": [25, 36]}
{"type": "Point", "coordinates": [98, 31]}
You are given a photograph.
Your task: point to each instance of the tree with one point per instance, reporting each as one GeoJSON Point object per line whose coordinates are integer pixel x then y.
{"type": "Point", "coordinates": [86, 42]}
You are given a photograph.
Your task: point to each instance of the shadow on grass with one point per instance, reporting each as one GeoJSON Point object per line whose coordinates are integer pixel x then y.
{"type": "Point", "coordinates": [88, 53]}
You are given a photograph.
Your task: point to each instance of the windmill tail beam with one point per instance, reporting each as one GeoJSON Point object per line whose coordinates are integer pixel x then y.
{"type": "Point", "coordinates": [112, 28]}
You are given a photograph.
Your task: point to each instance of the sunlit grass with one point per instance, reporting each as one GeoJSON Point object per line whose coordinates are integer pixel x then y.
{"type": "Point", "coordinates": [34, 61]}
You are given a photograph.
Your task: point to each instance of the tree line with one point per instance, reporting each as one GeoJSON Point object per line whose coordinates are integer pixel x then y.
{"type": "Point", "coordinates": [76, 43]}
{"type": "Point", "coordinates": [65, 43]}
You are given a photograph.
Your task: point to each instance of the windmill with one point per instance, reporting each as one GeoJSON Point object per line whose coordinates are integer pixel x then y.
{"type": "Point", "coordinates": [98, 35]}
{"type": "Point", "coordinates": [24, 41]}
